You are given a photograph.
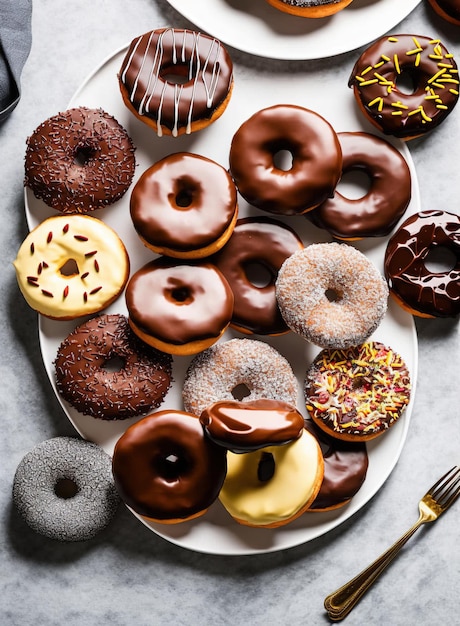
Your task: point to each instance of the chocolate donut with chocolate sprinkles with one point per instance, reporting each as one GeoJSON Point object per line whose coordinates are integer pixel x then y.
{"type": "Point", "coordinates": [103, 370]}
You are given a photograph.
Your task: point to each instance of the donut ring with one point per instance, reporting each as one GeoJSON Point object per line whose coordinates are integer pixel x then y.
{"type": "Point", "coordinates": [275, 485]}
{"type": "Point", "coordinates": [316, 159]}
{"type": "Point", "coordinates": [165, 468]}
{"type": "Point", "coordinates": [377, 212]}
{"type": "Point", "coordinates": [422, 292]}
{"type": "Point", "coordinates": [79, 160]}
{"type": "Point", "coordinates": [84, 381]}
{"type": "Point", "coordinates": [216, 373]}
{"type": "Point", "coordinates": [175, 210]}
{"type": "Point", "coordinates": [148, 80]}
{"type": "Point", "coordinates": [63, 489]}
{"type": "Point", "coordinates": [331, 294]}
{"type": "Point", "coordinates": [345, 469]}
{"type": "Point", "coordinates": [71, 265]}
{"type": "Point", "coordinates": [256, 243]}
{"type": "Point", "coordinates": [430, 67]}
{"type": "Point", "coordinates": [357, 394]}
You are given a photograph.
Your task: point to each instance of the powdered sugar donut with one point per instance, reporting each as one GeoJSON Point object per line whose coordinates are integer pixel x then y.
{"type": "Point", "coordinates": [213, 375]}
{"type": "Point", "coordinates": [331, 295]}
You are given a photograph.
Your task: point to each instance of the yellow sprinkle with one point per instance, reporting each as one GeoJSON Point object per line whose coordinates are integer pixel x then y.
{"type": "Point", "coordinates": [368, 69]}
{"type": "Point", "coordinates": [379, 64]}
{"type": "Point", "coordinates": [442, 106]}
{"type": "Point", "coordinates": [446, 65]}
{"type": "Point", "coordinates": [438, 85]}
{"type": "Point", "coordinates": [385, 58]}
{"type": "Point", "coordinates": [435, 77]}
{"type": "Point", "coordinates": [454, 91]}
{"type": "Point", "coordinates": [378, 102]}
{"type": "Point", "coordinates": [396, 113]}
{"type": "Point", "coordinates": [382, 79]}
{"type": "Point", "coordinates": [396, 63]}
{"type": "Point", "coordinates": [435, 57]}
{"type": "Point", "coordinates": [434, 41]}
{"type": "Point", "coordinates": [415, 40]}
{"type": "Point", "coordinates": [414, 51]}
{"type": "Point", "coordinates": [393, 39]}
{"type": "Point", "coordinates": [399, 104]}
{"type": "Point", "coordinates": [371, 81]}
{"type": "Point", "coordinates": [449, 55]}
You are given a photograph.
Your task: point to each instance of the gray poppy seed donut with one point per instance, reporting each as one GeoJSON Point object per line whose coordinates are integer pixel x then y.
{"type": "Point", "coordinates": [331, 294]}
{"type": "Point", "coordinates": [64, 489]}
{"type": "Point", "coordinates": [214, 374]}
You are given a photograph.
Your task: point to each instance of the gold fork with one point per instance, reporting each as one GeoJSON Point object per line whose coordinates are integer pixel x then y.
{"type": "Point", "coordinates": [437, 500]}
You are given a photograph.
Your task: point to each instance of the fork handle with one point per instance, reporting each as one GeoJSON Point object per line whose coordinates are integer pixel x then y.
{"type": "Point", "coordinates": [339, 603]}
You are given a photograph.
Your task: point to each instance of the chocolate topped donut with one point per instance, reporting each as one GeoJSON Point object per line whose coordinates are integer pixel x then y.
{"type": "Point", "coordinates": [176, 81]}
{"type": "Point", "coordinates": [244, 426]}
{"type": "Point", "coordinates": [423, 292]}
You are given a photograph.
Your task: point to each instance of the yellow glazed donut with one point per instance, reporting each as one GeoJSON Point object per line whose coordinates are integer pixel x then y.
{"type": "Point", "coordinates": [71, 265]}
{"type": "Point", "coordinates": [272, 486]}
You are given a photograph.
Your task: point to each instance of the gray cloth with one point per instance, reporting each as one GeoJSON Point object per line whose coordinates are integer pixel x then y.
{"type": "Point", "coordinates": [15, 42]}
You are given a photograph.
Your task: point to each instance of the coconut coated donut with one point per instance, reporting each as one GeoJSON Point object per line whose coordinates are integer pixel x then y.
{"type": "Point", "coordinates": [316, 159]}
{"type": "Point", "coordinates": [184, 206]}
{"type": "Point", "coordinates": [428, 65]}
{"type": "Point", "coordinates": [310, 8]}
{"type": "Point", "coordinates": [331, 294]}
{"type": "Point", "coordinates": [215, 375]}
{"type": "Point", "coordinates": [245, 426]}
{"type": "Point", "coordinates": [84, 381]}
{"type": "Point", "coordinates": [380, 208]}
{"type": "Point", "coordinates": [273, 486]}
{"type": "Point", "coordinates": [179, 308]}
{"type": "Point", "coordinates": [79, 160]}
{"type": "Point", "coordinates": [447, 9]}
{"type": "Point", "coordinates": [256, 243]}
{"type": "Point", "coordinates": [358, 393]}
{"type": "Point", "coordinates": [166, 469]}
{"type": "Point", "coordinates": [64, 489]}
{"type": "Point", "coordinates": [71, 265]}
{"type": "Point", "coordinates": [345, 469]}
{"type": "Point", "coordinates": [151, 80]}
{"type": "Point", "coordinates": [416, 288]}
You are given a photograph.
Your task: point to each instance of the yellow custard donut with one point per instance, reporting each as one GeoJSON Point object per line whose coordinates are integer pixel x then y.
{"type": "Point", "coordinates": [71, 265]}
{"type": "Point", "coordinates": [272, 486]}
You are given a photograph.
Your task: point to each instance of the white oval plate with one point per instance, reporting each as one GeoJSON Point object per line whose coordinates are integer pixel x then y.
{"type": "Point", "coordinates": [256, 27]}
{"type": "Point", "coordinates": [215, 532]}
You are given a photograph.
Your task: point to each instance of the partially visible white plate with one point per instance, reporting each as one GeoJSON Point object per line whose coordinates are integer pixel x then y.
{"type": "Point", "coordinates": [216, 533]}
{"type": "Point", "coordinates": [256, 27]}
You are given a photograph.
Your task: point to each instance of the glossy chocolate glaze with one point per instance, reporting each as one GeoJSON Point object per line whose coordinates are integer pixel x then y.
{"type": "Point", "coordinates": [82, 378]}
{"type": "Point", "coordinates": [79, 160]}
{"type": "Point", "coordinates": [245, 426]}
{"type": "Point", "coordinates": [150, 72]}
{"type": "Point", "coordinates": [179, 302]}
{"type": "Point", "coordinates": [183, 202]}
{"type": "Point", "coordinates": [448, 9]}
{"type": "Point", "coordinates": [262, 242]}
{"type": "Point", "coordinates": [433, 71]}
{"type": "Point", "coordinates": [428, 293]}
{"type": "Point", "coordinates": [376, 213]}
{"type": "Point", "coordinates": [345, 469]}
{"type": "Point", "coordinates": [166, 469]}
{"type": "Point", "coordinates": [316, 164]}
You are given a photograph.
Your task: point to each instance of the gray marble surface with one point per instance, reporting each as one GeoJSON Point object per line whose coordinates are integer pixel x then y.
{"type": "Point", "coordinates": [127, 574]}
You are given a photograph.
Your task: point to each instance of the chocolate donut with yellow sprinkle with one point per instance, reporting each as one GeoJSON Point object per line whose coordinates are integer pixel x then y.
{"type": "Point", "coordinates": [358, 393]}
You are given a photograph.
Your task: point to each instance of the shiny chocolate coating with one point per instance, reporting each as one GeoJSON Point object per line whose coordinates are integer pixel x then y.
{"type": "Point", "coordinates": [184, 202]}
{"type": "Point", "coordinates": [179, 302]}
{"type": "Point", "coordinates": [79, 160]}
{"type": "Point", "coordinates": [377, 212]}
{"type": "Point", "coordinates": [426, 293]}
{"type": "Point", "coordinates": [430, 67]}
{"type": "Point", "coordinates": [448, 9]}
{"type": "Point", "coordinates": [316, 159]}
{"type": "Point", "coordinates": [256, 242]}
{"type": "Point", "coordinates": [345, 469]}
{"type": "Point", "coordinates": [166, 469]}
{"type": "Point", "coordinates": [245, 426]}
{"type": "Point", "coordinates": [150, 75]}
{"type": "Point", "coordinates": [84, 381]}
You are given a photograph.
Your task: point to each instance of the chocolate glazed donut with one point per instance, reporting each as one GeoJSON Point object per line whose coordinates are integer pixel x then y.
{"type": "Point", "coordinates": [345, 468]}
{"type": "Point", "coordinates": [423, 292]}
{"type": "Point", "coordinates": [377, 212]}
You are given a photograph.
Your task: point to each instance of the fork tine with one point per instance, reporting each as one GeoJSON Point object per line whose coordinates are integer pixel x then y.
{"type": "Point", "coordinates": [447, 487]}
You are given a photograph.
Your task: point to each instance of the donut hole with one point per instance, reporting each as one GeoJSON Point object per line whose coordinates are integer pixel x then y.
{"type": "Point", "coordinates": [283, 159]}
{"type": "Point", "coordinates": [354, 184]}
{"type": "Point", "coordinates": [184, 194]}
{"type": "Point", "coordinates": [407, 81]}
{"type": "Point", "coordinates": [332, 295]}
{"type": "Point", "coordinates": [114, 364]}
{"type": "Point", "coordinates": [171, 465]}
{"type": "Point", "coordinates": [240, 391]}
{"type": "Point", "coordinates": [180, 295]}
{"type": "Point", "coordinates": [258, 274]}
{"type": "Point", "coordinates": [83, 154]}
{"type": "Point", "coordinates": [266, 467]}
{"type": "Point", "coordinates": [440, 260]}
{"type": "Point", "coordinates": [178, 74]}
{"type": "Point", "coordinates": [70, 268]}
{"type": "Point", "coordinates": [66, 488]}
